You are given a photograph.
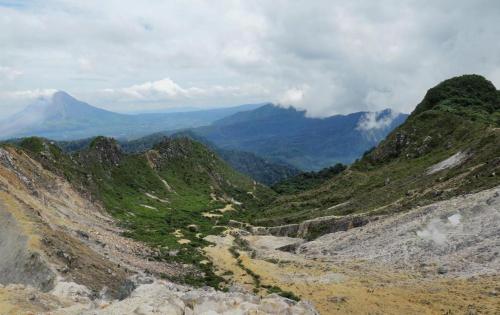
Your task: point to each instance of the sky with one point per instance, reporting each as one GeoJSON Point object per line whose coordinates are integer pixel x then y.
{"type": "Point", "coordinates": [328, 57]}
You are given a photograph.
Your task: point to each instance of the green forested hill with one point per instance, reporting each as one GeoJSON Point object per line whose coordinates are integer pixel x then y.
{"type": "Point", "coordinates": [260, 169]}
{"type": "Point", "coordinates": [450, 145]}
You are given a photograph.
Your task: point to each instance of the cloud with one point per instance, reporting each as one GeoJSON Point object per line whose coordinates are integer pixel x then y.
{"type": "Point", "coordinates": [156, 90]}
{"type": "Point", "coordinates": [376, 120]}
{"type": "Point", "coordinates": [9, 73]}
{"type": "Point", "coordinates": [15, 101]}
{"type": "Point", "coordinates": [352, 56]}
{"type": "Point", "coordinates": [293, 97]}
{"type": "Point", "coordinates": [164, 92]}
{"type": "Point", "coordinates": [27, 95]}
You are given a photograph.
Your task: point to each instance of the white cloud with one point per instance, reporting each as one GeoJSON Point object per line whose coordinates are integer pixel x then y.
{"type": "Point", "coordinates": [376, 120]}
{"type": "Point", "coordinates": [161, 89]}
{"type": "Point", "coordinates": [357, 55]}
{"type": "Point", "coordinates": [15, 101]}
{"type": "Point", "coordinates": [27, 95]}
{"type": "Point", "coordinates": [9, 73]}
{"type": "Point", "coordinates": [151, 94]}
{"type": "Point", "coordinates": [293, 97]}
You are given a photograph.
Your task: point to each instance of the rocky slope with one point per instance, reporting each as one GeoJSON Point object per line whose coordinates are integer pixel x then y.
{"type": "Point", "coordinates": [64, 254]}
{"type": "Point", "coordinates": [169, 197]}
{"type": "Point", "coordinates": [443, 258]}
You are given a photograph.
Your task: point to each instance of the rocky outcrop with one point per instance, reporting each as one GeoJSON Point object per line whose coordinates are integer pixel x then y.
{"type": "Point", "coordinates": [168, 298]}
{"type": "Point", "coordinates": [18, 263]}
{"type": "Point", "coordinates": [458, 236]}
{"type": "Point", "coordinates": [313, 228]}
{"type": "Point", "coordinates": [105, 151]}
{"type": "Point", "coordinates": [152, 297]}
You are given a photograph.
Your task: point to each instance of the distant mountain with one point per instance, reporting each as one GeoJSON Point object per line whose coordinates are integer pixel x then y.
{"type": "Point", "coordinates": [62, 117]}
{"type": "Point", "coordinates": [287, 134]}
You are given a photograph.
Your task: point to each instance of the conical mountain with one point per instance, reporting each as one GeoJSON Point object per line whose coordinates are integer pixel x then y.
{"type": "Point", "coordinates": [63, 117]}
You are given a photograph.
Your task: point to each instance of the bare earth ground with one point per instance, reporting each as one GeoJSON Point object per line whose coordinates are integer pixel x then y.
{"type": "Point", "coordinates": [439, 259]}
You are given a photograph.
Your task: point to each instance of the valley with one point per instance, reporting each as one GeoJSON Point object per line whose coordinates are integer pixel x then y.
{"type": "Point", "coordinates": [227, 157]}
{"type": "Point", "coordinates": [168, 226]}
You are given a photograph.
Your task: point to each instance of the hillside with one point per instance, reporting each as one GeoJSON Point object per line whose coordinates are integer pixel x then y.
{"type": "Point", "coordinates": [288, 135]}
{"type": "Point", "coordinates": [169, 197]}
{"type": "Point", "coordinates": [409, 226]}
{"type": "Point", "coordinates": [62, 117]}
{"type": "Point", "coordinates": [262, 170]}
{"type": "Point", "coordinates": [449, 146]}
{"type": "Point", "coordinates": [86, 234]}
{"type": "Point", "coordinates": [307, 180]}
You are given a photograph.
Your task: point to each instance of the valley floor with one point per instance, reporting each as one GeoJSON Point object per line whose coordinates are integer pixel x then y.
{"type": "Point", "coordinates": [62, 255]}
{"type": "Point", "coordinates": [439, 259]}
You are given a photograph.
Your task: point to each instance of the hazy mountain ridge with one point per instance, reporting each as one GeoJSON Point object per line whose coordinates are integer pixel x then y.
{"type": "Point", "coordinates": [287, 134]}
{"type": "Point", "coordinates": [62, 117]}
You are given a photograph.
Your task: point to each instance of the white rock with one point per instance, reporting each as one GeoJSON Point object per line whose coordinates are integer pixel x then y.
{"type": "Point", "coordinates": [73, 291]}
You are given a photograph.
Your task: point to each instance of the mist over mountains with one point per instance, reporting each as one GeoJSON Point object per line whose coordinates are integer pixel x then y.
{"type": "Point", "coordinates": [287, 134]}
{"type": "Point", "coordinates": [283, 135]}
{"type": "Point", "coordinates": [62, 117]}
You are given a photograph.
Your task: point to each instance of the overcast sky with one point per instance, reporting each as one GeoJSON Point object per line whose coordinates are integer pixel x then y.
{"type": "Point", "coordinates": [325, 56]}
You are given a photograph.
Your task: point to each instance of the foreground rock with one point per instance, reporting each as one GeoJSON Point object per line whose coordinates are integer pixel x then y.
{"type": "Point", "coordinates": [158, 297]}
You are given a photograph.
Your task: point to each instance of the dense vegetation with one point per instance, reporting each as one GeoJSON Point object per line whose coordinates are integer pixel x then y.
{"type": "Point", "coordinates": [454, 117]}
{"type": "Point", "coordinates": [308, 180]}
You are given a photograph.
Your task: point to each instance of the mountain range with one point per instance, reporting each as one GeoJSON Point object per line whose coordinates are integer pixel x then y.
{"type": "Point", "coordinates": [260, 169]}
{"type": "Point", "coordinates": [99, 228]}
{"type": "Point", "coordinates": [267, 142]}
{"type": "Point", "coordinates": [62, 117]}
{"type": "Point", "coordinates": [288, 135]}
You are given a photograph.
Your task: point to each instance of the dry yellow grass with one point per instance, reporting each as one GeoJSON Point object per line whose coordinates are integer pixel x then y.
{"type": "Point", "coordinates": [361, 289]}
